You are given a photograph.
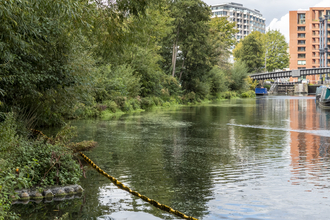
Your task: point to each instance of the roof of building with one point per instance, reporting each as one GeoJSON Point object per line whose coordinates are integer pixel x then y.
{"type": "Point", "coordinates": [238, 6]}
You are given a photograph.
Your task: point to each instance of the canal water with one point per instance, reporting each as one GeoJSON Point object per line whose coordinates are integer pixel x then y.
{"type": "Point", "coordinates": [263, 158]}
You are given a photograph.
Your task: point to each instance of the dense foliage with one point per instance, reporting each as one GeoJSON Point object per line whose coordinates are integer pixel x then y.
{"type": "Point", "coordinates": [80, 58]}
{"type": "Point", "coordinates": [277, 56]}
{"type": "Point", "coordinates": [263, 52]}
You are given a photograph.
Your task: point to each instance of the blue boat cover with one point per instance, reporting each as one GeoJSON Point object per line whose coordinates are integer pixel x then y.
{"type": "Point", "coordinates": [261, 90]}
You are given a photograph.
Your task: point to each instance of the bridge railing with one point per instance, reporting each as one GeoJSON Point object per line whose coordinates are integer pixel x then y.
{"type": "Point", "coordinates": [290, 73]}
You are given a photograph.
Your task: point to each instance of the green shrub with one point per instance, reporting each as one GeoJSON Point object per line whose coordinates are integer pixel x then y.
{"type": "Point", "coordinates": [116, 81]}
{"type": "Point", "coordinates": [8, 133]}
{"type": "Point", "coordinates": [175, 100]}
{"type": "Point", "coordinates": [227, 95]}
{"type": "Point", "coordinates": [158, 101]}
{"type": "Point", "coordinates": [120, 101]}
{"type": "Point", "coordinates": [189, 98]}
{"type": "Point", "coordinates": [219, 81]}
{"type": "Point", "coordinates": [147, 103]}
{"type": "Point", "coordinates": [238, 76]}
{"type": "Point", "coordinates": [46, 164]}
{"type": "Point", "coordinates": [33, 162]}
{"type": "Point", "coordinates": [135, 103]}
{"type": "Point", "coordinates": [267, 86]}
{"type": "Point", "coordinates": [248, 94]}
{"type": "Point", "coordinates": [111, 105]}
{"type": "Point", "coordinates": [166, 104]}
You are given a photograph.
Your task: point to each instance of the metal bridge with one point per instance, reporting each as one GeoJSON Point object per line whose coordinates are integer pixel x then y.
{"type": "Point", "coordinates": [291, 73]}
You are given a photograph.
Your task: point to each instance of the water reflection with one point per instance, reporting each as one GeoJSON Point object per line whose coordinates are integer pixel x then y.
{"type": "Point", "coordinates": [264, 158]}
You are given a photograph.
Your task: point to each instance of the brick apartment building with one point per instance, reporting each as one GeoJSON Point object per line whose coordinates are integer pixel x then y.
{"type": "Point", "coordinates": [304, 39]}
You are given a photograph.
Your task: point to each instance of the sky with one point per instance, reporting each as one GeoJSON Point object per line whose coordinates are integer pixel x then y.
{"type": "Point", "coordinates": [276, 12]}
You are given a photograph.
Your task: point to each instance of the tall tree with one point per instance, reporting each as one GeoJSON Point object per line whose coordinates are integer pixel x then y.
{"type": "Point", "coordinates": [222, 38]}
{"type": "Point", "coordinates": [276, 47]}
{"type": "Point", "coordinates": [189, 46]}
{"type": "Point", "coordinates": [250, 53]}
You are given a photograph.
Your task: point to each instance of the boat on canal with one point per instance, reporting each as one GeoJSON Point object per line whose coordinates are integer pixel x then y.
{"type": "Point", "coordinates": [323, 97]}
{"type": "Point", "coordinates": [261, 91]}
{"type": "Point", "coordinates": [318, 93]}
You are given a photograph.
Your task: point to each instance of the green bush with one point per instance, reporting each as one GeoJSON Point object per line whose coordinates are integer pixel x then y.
{"type": "Point", "coordinates": [135, 103]}
{"type": "Point", "coordinates": [158, 101]}
{"type": "Point", "coordinates": [120, 101]}
{"type": "Point", "coordinates": [267, 86]}
{"type": "Point", "coordinates": [239, 73]}
{"type": "Point", "coordinates": [166, 104]}
{"type": "Point", "coordinates": [248, 94]}
{"type": "Point", "coordinates": [111, 105]}
{"type": "Point", "coordinates": [147, 103]}
{"type": "Point", "coordinates": [116, 81]}
{"type": "Point", "coordinates": [227, 95]}
{"type": "Point", "coordinates": [33, 162]}
{"type": "Point", "coordinates": [219, 81]}
{"type": "Point", "coordinates": [189, 98]}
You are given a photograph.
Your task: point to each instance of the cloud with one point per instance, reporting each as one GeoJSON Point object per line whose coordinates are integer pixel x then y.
{"type": "Point", "coordinates": [282, 24]}
{"type": "Point", "coordinates": [324, 3]}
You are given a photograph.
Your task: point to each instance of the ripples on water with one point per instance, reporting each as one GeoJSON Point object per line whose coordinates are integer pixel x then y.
{"type": "Point", "coordinates": [264, 158]}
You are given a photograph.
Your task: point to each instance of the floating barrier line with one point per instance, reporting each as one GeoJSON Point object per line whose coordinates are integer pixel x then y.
{"type": "Point", "coordinates": [122, 186]}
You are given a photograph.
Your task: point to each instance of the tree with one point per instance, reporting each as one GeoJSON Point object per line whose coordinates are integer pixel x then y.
{"type": "Point", "coordinates": [238, 76]}
{"type": "Point", "coordinates": [250, 53]}
{"type": "Point", "coordinates": [259, 37]}
{"type": "Point", "coordinates": [277, 56]}
{"type": "Point", "coordinates": [222, 38]}
{"type": "Point", "coordinates": [188, 52]}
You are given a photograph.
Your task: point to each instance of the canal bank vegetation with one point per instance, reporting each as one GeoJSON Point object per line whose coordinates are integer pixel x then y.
{"type": "Point", "coordinates": [77, 59]}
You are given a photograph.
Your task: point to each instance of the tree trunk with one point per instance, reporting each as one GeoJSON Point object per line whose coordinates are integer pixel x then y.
{"type": "Point", "coordinates": [175, 52]}
{"type": "Point", "coordinates": [181, 70]}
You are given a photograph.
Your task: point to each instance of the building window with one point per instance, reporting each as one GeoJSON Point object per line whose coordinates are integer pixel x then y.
{"type": "Point", "coordinates": [301, 62]}
{"type": "Point", "coordinates": [301, 18]}
{"type": "Point", "coordinates": [301, 35]}
{"type": "Point", "coordinates": [302, 48]}
{"type": "Point", "coordinates": [301, 28]}
{"type": "Point", "coordinates": [301, 55]}
{"type": "Point", "coordinates": [301, 68]}
{"type": "Point", "coordinates": [301, 42]}
{"type": "Point", "coordinates": [321, 13]}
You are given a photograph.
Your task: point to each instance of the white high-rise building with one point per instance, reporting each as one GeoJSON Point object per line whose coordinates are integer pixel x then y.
{"type": "Point", "coordinates": [247, 20]}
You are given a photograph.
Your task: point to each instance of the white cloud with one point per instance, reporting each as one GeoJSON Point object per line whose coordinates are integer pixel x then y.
{"type": "Point", "coordinates": [324, 3]}
{"type": "Point", "coordinates": [283, 24]}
